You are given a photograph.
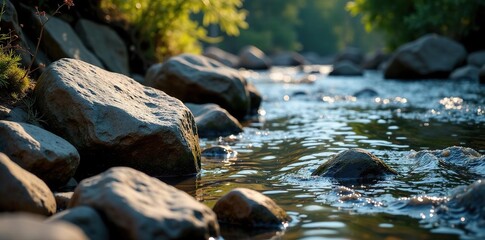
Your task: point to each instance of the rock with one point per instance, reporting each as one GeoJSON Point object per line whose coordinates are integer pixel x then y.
{"type": "Point", "coordinates": [476, 59]}
{"type": "Point", "coordinates": [86, 218]}
{"type": "Point", "coordinates": [62, 200]}
{"type": "Point", "coordinates": [482, 75]}
{"type": "Point", "coordinates": [15, 114]}
{"type": "Point", "coordinates": [251, 57]}
{"type": "Point", "coordinates": [113, 120]}
{"type": "Point", "coordinates": [354, 166]}
{"type": "Point", "coordinates": [198, 79]}
{"type": "Point", "coordinates": [106, 44]}
{"type": "Point", "coordinates": [60, 41]}
{"type": "Point", "coordinates": [222, 56]}
{"type": "Point", "coordinates": [137, 206]}
{"type": "Point", "coordinates": [32, 227]}
{"type": "Point", "coordinates": [219, 152]}
{"type": "Point", "coordinates": [152, 73]}
{"type": "Point", "coordinates": [374, 61]}
{"type": "Point", "coordinates": [38, 151]}
{"type": "Point", "coordinates": [250, 209]}
{"type": "Point", "coordinates": [256, 98]}
{"type": "Point", "coordinates": [214, 121]}
{"type": "Point", "coordinates": [346, 68]}
{"type": "Point", "coordinates": [9, 24]}
{"type": "Point", "coordinates": [351, 54]}
{"type": "Point", "coordinates": [23, 191]}
{"type": "Point", "coordinates": [288, 59]}
{"type": "Point", "coordinates": [431, 56]}
{"type": "Point", "coordinates": [468, 72]}
{"type": "Point", "coordinates": [366, 93]}
{"type": "Point", "coordinates": [315, 58]}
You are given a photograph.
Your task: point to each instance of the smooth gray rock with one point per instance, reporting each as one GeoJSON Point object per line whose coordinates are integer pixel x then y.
{"type": "Point", "coordinates": [137, 206]}
{"type": "Point", "coordinates": [431, 56]}
{"type": "Point", "coordinates": [251, 57]}
{"type": "Point", "coordinates": [113, 120]}
{"type": "Point", "coordinates": [61, 41]}
{"type": "Point", "coordinates": [23, 191]}
{"type": "Point", "coordinates": [49, 157]}
{"type": "Point", "coordinates": [354, 166]}
{"type": "Point", "coordinates": [222, 56]}
{"type": "Point", "coordinates": [468, 72]}
{"type": "Point", "coordinates": [214, 121]}
{"type": "Point", "coordinates": [251, 209]}
{"type": "Point", "coordinates": [346, 68]}
{"type": "Point", "coordinates": [86, 218]}
{"type": "Point", "coordinates": [198, 79]}
{"type": "Point", "coordinates": [106, 44]}
{"type": "Point", "coordinates": [476, 59]}
{"type": "Point", "coordinates": [33, 227]}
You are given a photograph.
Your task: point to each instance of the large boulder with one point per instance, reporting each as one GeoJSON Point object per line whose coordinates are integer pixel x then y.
{"type": "Point", "coordinates": [23, 191]}
{"type": "Point", "coordinates": [106, 44]}
{"type": "Point", "coordinates": [346, 68]}
{"type": "Point", "coordinates": [250, 209]}
{"type": "Point", "coordinates": [113, 120]}
{"type": "Point", "coordinates": [38, 151]}
{"type": "Point", "coordinates": [430, 56]}
{"type": "Point", "coordinates": [468, 72]}
{"type": "Point", "coordinates": [198, 79]}
{"type": "Point", "coordinates": [86, 218]}
{"type": "Point", "coordinates": [137, 206]}
{"type": "Point", "coordinates": [33, 227]}
{"type": "Point", "coordinates": [476, 59]}
{"type": "Point", "coordinates": [214, 121]}
{"type": "Point", "coordinates": [222, 56]}
{"type": "Point", "coordinates": [354, 166]}
{"type": "Point", "coordinates": [251, 57]}
{"type": "Point", "coordinates": [61, 41]}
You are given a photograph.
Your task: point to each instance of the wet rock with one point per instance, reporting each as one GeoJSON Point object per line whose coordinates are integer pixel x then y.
{"type": "Point", "coordinates": [256, 98]}
{"type": "Point", "coordinates": [23, 191]}
{"type": "Point", "coordinates": [214, 121]}
{"type": "Point", "coordinates": [374, 61]}
{"type": "Point", "coordinates": [470, 199]}
{"type": "Point", "coordinates": [366, 93]}
{"type": "Point", "coordinates": [222, 56]}
{"type": "Point", "coordinates": [354, 166]}
{"type": "Point", "coordinates": [137, 206]}
{"type": "Point", "coordinates": [288, 59]}
{"type": "Point", "coordinates": [465, 73]}
{"type": "Point", "coordinates": [62, 200]}
{"type": "Point", "coordinates": [251, 57]}
{"type": "Point", "coordinates": [482, 75]}
{"type": "Point", "coordinates": [351, 54]}
{"type": "Point", "coordinates": [476, 59]}
{"type": "Point", "coordinates": [60, 41]}
{"type": "Point", "coordinates": [198, 79]}
{"type": "Point", "coordinates": [106, 44]}
{"type": "Point", "coordinates": [219, 152]}
{"type": "Point", "coordinates": [113, 120]}
{"type": "Point", "coordinates": [346, 68]}
{"type": "Point", "coordinates": [86, 218]}
{"type": "Point", "coordinates": [431, 56]}
{"type": "Point", "coordinates": [33, 227]}
{"type": "Point", "coordinates": [250, 209]}
{"type": "Point", "coordinates": [49, 157]}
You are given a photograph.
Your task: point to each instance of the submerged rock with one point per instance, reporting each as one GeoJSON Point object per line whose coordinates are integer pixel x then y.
{"type": "Point", "coordinates": [33, 227]}
{"type": "Point", "coordinates": [219, 152]}
{"type": "Point", "coordinates": [22, 191]}
{"type": "Point", "coordinates": [346, 68]}
{"type": "Point", "coordinates": [354, 166]}
{"type": "Point", "coordinates": [38, 151]}
{"type": "Point", "coordinates": [214, 121]}
{"type": "Point", "coordinates": [137, 206]}
{"type": "Point", "coordinates": [113, 120]}
{"type": "Point", "coordinates": [86, 218]}
{"type": "Point", "coordinates": [247, 208]}
{"type": "Point", "coordinates": [431, 56]}
{"type": "Point", "coordinates": [366, 93]}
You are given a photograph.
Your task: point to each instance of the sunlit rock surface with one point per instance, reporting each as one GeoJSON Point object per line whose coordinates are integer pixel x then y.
{"type": "Point", "coordinates": [213, 121]}
{"type": "Point", "coordinates": [251, 57]}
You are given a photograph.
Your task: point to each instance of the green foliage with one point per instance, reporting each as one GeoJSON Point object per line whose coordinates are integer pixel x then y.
{"type": "Point", "coordinates": [12, 78]}
{"type": "Point", "coordinates": [167, 27]}
{"type": "Point", "coordinates": [405, 20]}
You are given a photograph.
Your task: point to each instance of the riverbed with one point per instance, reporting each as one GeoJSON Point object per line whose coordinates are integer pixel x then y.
{"type": "Point", "coordinates": [307, 117]}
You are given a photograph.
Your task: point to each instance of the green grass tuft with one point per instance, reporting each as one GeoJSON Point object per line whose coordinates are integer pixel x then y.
{"type": "Point", "coordinates": [13, 78]}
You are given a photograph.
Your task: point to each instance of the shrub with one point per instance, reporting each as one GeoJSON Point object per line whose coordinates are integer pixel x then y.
{"type": "Point", "coordinates": [12, 78]}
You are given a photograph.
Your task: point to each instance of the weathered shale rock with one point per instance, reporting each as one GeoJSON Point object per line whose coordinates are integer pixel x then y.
{"type": "Point", "coordinates": [113, 120]}
{"type": "Point", "coordinates": [354, 166]}
{"type": "Point", "coordinates": [137, 206]}
{"type": "Point", "coordinates": [247, 208]}
{"type": "Point", "coordinates": [49, 157]}
{"type": "Point", "coordinates": [198, 79]}
{"type": "Point", "coordinates": [23, 191]}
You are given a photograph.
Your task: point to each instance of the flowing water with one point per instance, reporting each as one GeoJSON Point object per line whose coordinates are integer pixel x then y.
{"type": "Point", "coordinates": [300, 125]}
